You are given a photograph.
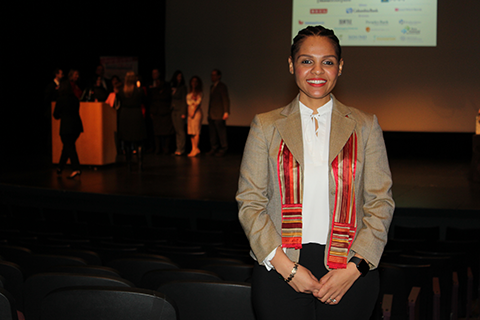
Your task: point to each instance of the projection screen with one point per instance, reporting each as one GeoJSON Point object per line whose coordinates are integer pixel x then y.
{"type": "Point", "coordinates": [371, 22]}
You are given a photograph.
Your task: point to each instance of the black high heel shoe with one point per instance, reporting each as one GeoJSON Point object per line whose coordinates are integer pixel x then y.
{"type": "Point", "coordinates": [74, 174]}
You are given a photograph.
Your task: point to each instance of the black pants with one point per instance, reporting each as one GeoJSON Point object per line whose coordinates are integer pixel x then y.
{"type": "Point", "coordinates": [218, 135]}
{"type": "Point", "coordinates": [69, 151]}
{"type": "Point", "coordinates": [273, 298]}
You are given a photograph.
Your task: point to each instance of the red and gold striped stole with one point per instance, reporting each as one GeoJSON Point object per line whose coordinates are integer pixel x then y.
{"type": "Point", "coordinates": [344, 223]}
{"type": "Point", "coordinates": [291, 193]}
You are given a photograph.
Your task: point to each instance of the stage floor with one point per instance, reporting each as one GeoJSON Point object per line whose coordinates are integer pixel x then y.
{"type": "Point", "coordinates": [418, 183]}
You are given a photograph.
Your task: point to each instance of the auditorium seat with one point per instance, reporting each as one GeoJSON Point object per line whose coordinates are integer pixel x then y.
{"type": "Point", "coordinates": [74, 242]}
{"type": "Point", "coordinates": [240, 254]}
{"type": "Point", "coordinates": [415, 275]}
{"type": "Point", "coordinates": [414, 310]}
{"type": "Point", "coordinates": [455, 233]}
{"type": "Point", "coordinates": [216, 260]}
{"type": "Point", "coordinates": [387, 300]}
{"type": "Point", "coordinates": [42, 262]}
{"type": "Point", "coordinates": [416, 233]}
{"type": "Point", "coordinates": [20, 255]}
{"type": "Point", "coordinates": [133, 268]}
{"type": "Point", "coordinates": [142, 255]}
{"type": "Point", "coordinates": [210, 300]}
{"type": "Point", "coordinates": [90, 257]}
{"type": "Point", "coordinates": [8, 309]}
{"type": "Point", "coordinates": [14, 278]}
{"type": "Point", "coordinates": [111, 253]}
{"type": "Point", "coordinates": [183, 255]}
{"type": "Point", "coordinates": [39, 285]}
{"type": "Point", "coordinates": [87, 270]}
{"type": "Point", "coordinates": [231, 272]}
{"type": "Point", "coordinates": [155, 278]}
{"type": "Point", "coordinates": [392, 282]}
{"type": "Point", "coordinates": [106, 303]}
{"type": "Point", "coordinates": [396, 245]}
{"type": "Point", "coordinates": [454, 307]}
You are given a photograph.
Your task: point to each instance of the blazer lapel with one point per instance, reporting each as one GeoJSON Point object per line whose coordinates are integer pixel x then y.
{"type": "Point", "coordinates": [290, 130]}
{"type": "Point", "coordinates": [341, 129]}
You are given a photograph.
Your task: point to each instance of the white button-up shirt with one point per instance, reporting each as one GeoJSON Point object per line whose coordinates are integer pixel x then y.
{"type": "Point", "coordinates": [315, 205]}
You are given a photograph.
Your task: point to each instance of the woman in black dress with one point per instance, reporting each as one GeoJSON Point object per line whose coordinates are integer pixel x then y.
{"type": "Point", "coordinates": [132, 129]}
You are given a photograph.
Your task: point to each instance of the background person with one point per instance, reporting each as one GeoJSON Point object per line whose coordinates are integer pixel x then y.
{"type": "Point", "coordinates": [195, 115]}
{"type": "Point", "coordinates": [218, 113]}
{"type": "Point", "coordinates": [132, 130]}
{"type": "Point", "coordinates": [160, 96]}
{"type": "Point", "coordinates": [67, 111]}
{"type": "Point", "coordinates": [179, 110]}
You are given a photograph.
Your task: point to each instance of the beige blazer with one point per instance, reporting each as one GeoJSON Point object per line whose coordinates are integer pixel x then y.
{"type": "Point", "coordinates": [258, 194]}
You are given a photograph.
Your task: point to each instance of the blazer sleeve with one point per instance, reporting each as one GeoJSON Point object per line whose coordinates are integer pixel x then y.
{"type": "Point", "coordinates": [252, 195]}
{"type": "Point", "coordinates": [378, 204]}
{"type": "Point", "coordinates": [225, 99]}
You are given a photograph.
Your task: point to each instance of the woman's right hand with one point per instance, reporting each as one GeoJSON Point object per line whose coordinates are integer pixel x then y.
{"type": "Point", "coordinates": [303, 281]}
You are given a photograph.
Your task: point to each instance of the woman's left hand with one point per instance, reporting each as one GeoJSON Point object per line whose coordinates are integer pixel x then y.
{"type": "Point", "coordinates": [336, 283]}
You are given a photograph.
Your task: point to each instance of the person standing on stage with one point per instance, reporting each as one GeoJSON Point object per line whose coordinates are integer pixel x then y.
{"type": "Point", "coordinates": [132, 129]}
{"type": "Point", "coordinates": [218, 113]}
{"type": "Point", "coordinates": [195, 115]}
{"type": "Point", "coordinates": [314, 195]}
{"type": "Point", "coordinates": [73, 76]}
{"type": "Point", "coordinates": [67, 111]}
{"type": "Point", "coordinates": [51, 92]}
{"type": "Point", "coordinates": [159, 97]}
{"type": "Point", "coordinates": [179, 110]}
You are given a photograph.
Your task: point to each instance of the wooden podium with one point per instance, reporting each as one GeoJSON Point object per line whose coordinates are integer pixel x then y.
{"type": "Point", "coordinates": [96, 144]}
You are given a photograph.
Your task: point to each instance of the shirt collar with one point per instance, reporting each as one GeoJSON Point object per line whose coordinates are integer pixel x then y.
{"type": "Point", "coordinates": [323, 110]}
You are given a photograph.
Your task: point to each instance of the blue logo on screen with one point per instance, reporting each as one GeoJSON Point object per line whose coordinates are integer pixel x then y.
{"type": "Point", "coordinates": [349, 10]}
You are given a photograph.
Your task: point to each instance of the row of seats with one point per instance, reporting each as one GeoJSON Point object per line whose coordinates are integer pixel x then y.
{"type": "Point", "coordinates": [123, 271]}
{"type": "Point", "coordinates": [150, 273]}
{"type": "Point", "coordinates": [105, 246]}
{"type": "Point", "coordinates": [423, 277]}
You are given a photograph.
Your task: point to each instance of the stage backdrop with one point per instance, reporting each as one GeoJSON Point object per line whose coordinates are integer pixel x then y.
{"type": "Point", "coordinates": [426, 89]}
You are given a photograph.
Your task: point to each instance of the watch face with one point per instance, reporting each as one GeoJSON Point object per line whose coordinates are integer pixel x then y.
{"type": "Point", "coordinates": [363, 267]}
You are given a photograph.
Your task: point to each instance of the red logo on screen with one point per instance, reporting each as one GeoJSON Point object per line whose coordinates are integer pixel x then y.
{"type": "Point", "coordinates": [318, 11]}
{"type": "Point", "coordinates": [300, 22]}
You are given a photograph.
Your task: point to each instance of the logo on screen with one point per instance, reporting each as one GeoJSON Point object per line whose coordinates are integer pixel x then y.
{"type": "Point", "coordinates": [410, 30]}
{"type": "Point", "coordinates": [349, 10]}
{"type": "Point", "coordinates": [318, 11]}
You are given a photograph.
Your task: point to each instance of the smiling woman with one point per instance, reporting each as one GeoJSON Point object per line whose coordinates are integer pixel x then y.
{"type": "Point", "coordinates": [316, 67]}
{"type": "Point", "coordinates": [315, 196]}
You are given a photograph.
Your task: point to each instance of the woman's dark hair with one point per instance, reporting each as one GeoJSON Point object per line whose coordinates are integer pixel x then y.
{"type": "Point", "coordinates": [174, 83]}
{"type": "Point", "coordinates": [199, 87]}
{"type": "Point", "coordinates": [65, 87]}
{"type": "Point", "coordinates": [319, 31]}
